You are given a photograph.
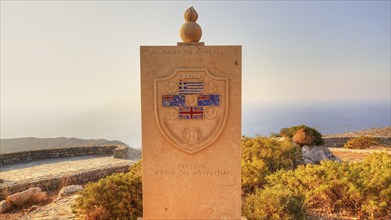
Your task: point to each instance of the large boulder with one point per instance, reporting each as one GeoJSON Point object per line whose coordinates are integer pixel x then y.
{"type": "Point", "coordinates": [31, 195]}
{"type": "Point", "coordinates": [314, 154]}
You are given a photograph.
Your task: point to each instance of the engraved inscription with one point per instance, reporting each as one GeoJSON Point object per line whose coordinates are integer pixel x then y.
{"type": "Point", "coordinates": [199, 52]}
{"type": "Point", "coordinates": [191, 76]}
{"type": "Point", "coordinates": [164, 173]}
{"type": "Point", "coordinates": [196, 170]}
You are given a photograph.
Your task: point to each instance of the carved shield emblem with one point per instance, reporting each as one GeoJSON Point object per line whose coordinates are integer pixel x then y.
{"type": "Point", "coordinates": [191, 107]}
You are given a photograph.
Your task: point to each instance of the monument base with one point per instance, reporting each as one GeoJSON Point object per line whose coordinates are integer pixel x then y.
{"type": "Point", "coordinates": [242, 218]}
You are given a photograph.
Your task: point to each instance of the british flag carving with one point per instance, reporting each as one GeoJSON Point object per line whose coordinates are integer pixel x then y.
{"type": "Point", "coordinates": [191, 106]}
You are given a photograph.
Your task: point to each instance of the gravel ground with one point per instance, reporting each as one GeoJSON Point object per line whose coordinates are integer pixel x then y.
{"type": "Point", "coordinates": [56, 210]}
{"type": "Point", "coordinates": [355, 155]}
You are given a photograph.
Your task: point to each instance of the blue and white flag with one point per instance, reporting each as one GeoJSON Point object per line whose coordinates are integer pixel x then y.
{"type": "Point", "coordinates": [191, 87]}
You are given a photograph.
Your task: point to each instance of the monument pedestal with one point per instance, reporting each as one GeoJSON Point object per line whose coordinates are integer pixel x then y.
{"type": "Point", "coordinates": [242, 218]}
{"type": "Point", "coordinates": [191, 132]}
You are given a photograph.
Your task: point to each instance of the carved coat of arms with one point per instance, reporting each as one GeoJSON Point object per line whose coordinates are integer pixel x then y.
{"type": "Point", "coordinates": [191, 107]}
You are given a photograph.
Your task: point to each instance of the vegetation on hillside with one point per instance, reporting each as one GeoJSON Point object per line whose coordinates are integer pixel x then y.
{"type": "Point", "coordinates": [361, 142]}
{"type": "Point", "coordinates": [262, 156]}
{"type": "Point", "coordinates": [276, 202]}
{"type": "Point", "coordinates": [118, 196]}
{"type": "Point", "coordinates": [361, 189]}
{"type": "Point", "coordinates": [274, 185]}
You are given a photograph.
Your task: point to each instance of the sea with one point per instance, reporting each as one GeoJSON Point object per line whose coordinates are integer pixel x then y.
{"type": "Point", "coordinates": [328, 118]}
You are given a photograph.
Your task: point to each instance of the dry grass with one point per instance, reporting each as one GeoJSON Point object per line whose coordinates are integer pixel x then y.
{"type": "Point", "coordinates": [356, 155]}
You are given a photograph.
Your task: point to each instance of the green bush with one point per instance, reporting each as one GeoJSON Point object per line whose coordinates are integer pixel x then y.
{"type": "Point", "coordinates": [361, 189]}
{"type": "Point", "coordinates": [274, 203]}
{"type": "Point", "coordinates": [362, 142]}
{"type": "Point", "coordinates": [118, 196]}
{"type": "Point", "coordinates": [302, 135]}
{"type": "Point", "coordinates": [262, 156]}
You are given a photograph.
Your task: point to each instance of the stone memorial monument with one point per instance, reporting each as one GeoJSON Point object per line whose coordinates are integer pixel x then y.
{"type": "Point", "coordinates": [191, 128]}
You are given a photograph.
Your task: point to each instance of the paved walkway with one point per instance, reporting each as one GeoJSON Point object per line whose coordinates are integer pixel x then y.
{"type": "Point", "coordinates": [56, 167]}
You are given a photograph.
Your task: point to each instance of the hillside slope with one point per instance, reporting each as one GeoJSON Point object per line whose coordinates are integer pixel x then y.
{"type": "Point", "coordinates": [372, 132]}
{"type": "Point", "coordinates": [26, 144]}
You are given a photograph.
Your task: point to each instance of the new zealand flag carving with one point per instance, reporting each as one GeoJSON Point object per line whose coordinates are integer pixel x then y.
{"type": "Point", "coordinates": [208, 100]}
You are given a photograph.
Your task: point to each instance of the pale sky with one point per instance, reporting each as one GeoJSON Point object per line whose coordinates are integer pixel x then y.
{"type": "Point", "coordinates": [70, 67]}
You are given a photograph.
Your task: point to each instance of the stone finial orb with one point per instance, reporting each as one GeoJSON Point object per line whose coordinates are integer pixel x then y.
{"type": "Point", "coordinates": [190, 30]}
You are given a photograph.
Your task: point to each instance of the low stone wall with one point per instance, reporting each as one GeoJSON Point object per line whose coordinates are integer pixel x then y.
{"type": "Point", "coordinates": [20, 157]}
{"type": "Point", "coordinates": [54, 183]}
{"type": "Point", "coordinates": [340, 141]}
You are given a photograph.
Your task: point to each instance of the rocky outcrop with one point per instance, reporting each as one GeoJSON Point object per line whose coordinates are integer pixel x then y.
{"type": "Point", "coordinates": [69, 190]}
{"type": "Point", "coordinates": [315, 154]}
{"type": "Point", "coordinates": [61, 209]}
{"type": "Point", "coordinates": [31, 195]}
{"type": "Point", "coordinates": [121, 152]}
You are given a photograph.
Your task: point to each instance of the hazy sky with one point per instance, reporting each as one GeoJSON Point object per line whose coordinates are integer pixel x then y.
{"type": "Point", "coordinates": [69, 68]}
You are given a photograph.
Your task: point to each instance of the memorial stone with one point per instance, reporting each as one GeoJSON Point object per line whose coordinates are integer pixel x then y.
{"type": "Point", "coordinates": [191, 128]}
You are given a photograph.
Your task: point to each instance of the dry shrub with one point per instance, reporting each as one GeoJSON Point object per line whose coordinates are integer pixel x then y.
{"type": "Point", "coordinates": [118, 196]}
{"type": "Point", "coordinates": [262, 156]}
{"type": "Point", "coordinates": [302, 135]}
{"type": "Point", "coordinates": [362, 142]}
{"type": "Point", "coordinates": [361, 189]}
{"type": "Point", "coordinates": [274, 203]}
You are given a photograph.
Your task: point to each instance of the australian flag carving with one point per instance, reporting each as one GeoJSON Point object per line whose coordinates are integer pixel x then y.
{"type": "Point", "coordinates": [196, 90]}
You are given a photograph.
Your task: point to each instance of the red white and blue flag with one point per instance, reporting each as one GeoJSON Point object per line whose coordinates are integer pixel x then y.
{"type": "Point", "coordinates": [196, 112]}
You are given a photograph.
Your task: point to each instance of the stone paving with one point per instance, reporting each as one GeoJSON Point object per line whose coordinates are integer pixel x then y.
{"type": "Point", "coordinates": [56, 167]}
{"type": "Point", "coordinates": [19, 174]}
